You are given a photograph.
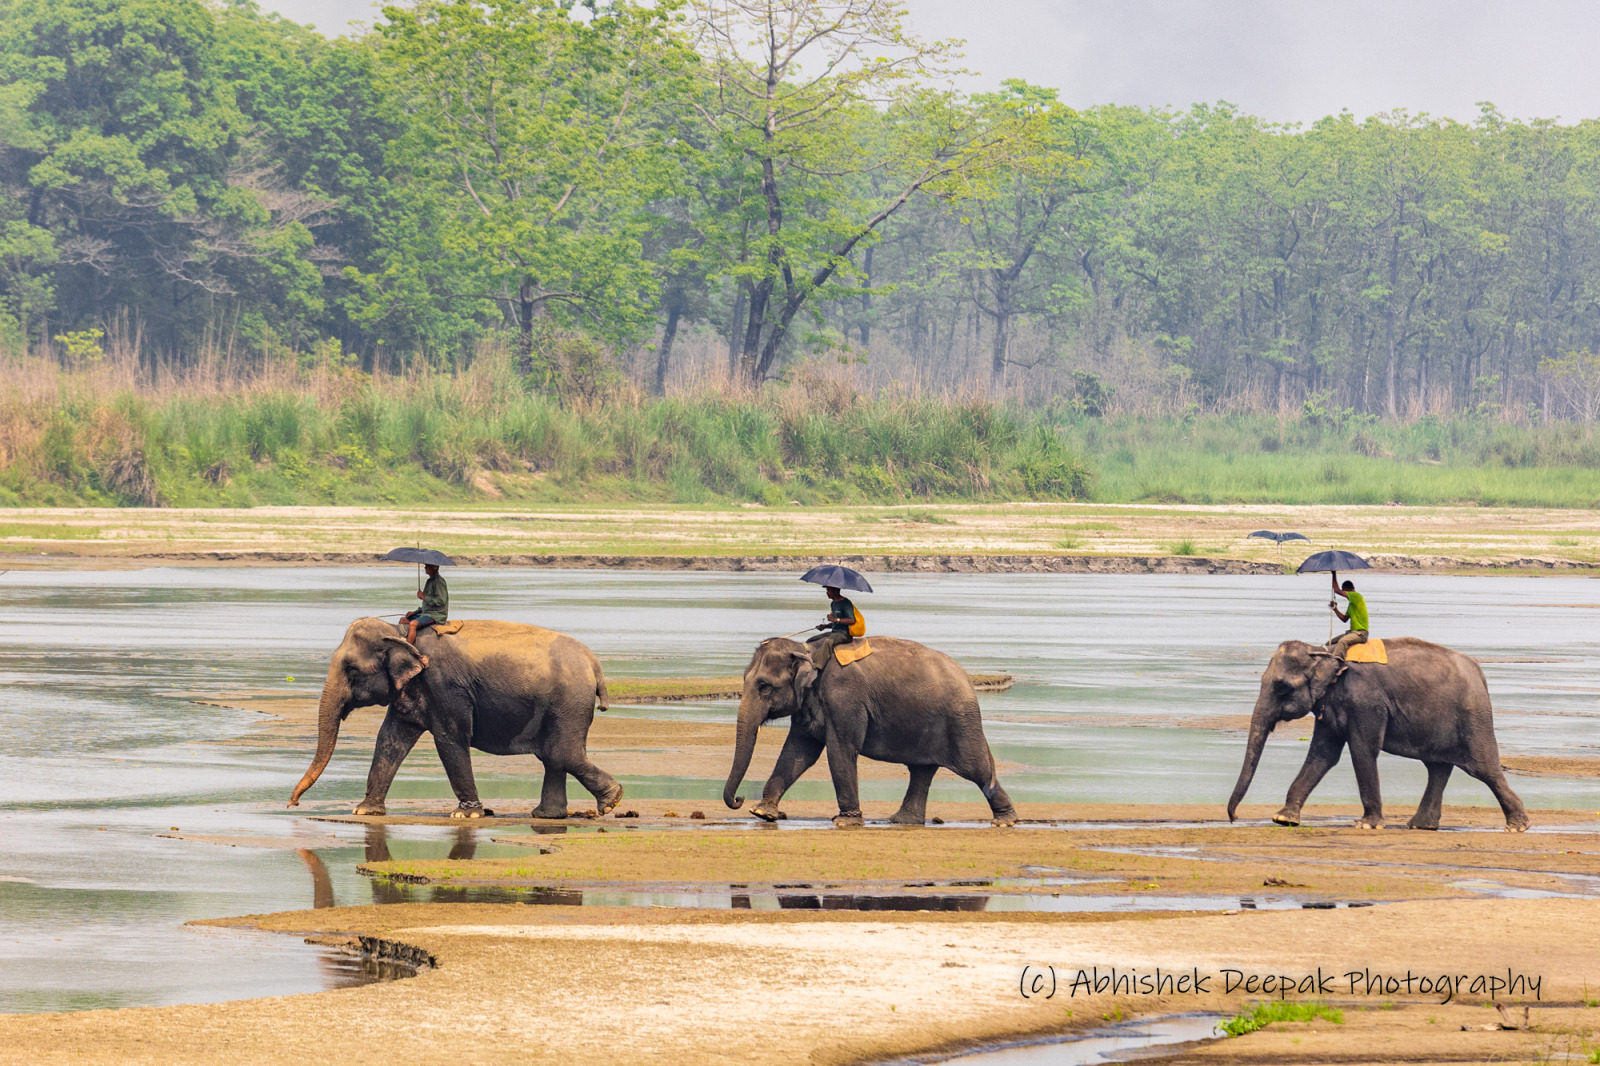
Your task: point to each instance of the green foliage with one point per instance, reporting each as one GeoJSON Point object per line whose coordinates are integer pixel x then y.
{"type": "Point", "coordinates": [1264, 1014]}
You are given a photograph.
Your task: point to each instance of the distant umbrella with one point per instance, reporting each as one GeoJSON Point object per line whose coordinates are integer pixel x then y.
{"type": "Point", "coordinates": [1267, 534]}
{"type": "Point", "coordinates": [425, 556]}
{"type": "Point", "coordinates": [839, 577]}
{"type": "Point", "coordinates": [1332, 560]}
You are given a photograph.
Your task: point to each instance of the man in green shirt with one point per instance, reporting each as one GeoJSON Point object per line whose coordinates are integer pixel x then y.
{"type": "Point", "coordinates": [1356, 617]}
{"type": "Point", "coordinates": [435, 597]}
{"type": "Point", "coordinates": [841, 616]}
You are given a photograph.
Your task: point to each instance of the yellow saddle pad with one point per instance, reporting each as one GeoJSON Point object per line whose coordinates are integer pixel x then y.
{"type": "Point", "coordinates": [849, 653]}
{"type": "Point", "coordinates": [1370, 652]}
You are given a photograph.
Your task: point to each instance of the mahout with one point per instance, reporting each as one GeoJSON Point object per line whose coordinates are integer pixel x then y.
{"type": "Point", "coordinates": [1427, 702]}
{"type": "Point", "coordinates": [904, 703]}
{"type": "Point", "coordinates": [500, 687]}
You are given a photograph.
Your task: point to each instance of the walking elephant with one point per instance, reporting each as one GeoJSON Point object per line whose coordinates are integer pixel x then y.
{"type": "Point", "coordinates": [904, 703]}
{"type": "Point", "coordinates": [503, 688]}
{"type": "Point", "coordinates": [1427, 703]}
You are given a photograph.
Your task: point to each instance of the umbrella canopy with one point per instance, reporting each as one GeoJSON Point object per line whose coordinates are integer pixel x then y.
{"type": "Point", "coordinates": [1267, 534]}
{"type": "Point", "coordinates": [839, 577]}
{"type": "Point", "coordinates": [425, 556]}
{"type": "Point", "coordinates": [1332, 560]}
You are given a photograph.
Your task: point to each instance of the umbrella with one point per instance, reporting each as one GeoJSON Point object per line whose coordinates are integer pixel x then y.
{"type": "Point", "coordinates": [1332, 560]}
{"type": "Point", "coordinates": [421, 556]}
{"type": "Point", "coordinates": [839, 577]}
{"type": "Point", "coordinates": [426, 556]}
{"type": "Point", "coordinates": [1279, 538]}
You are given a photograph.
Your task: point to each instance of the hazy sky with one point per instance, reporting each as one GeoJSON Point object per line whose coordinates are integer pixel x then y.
{"type": "Point", "coordinates": [1286, 60]}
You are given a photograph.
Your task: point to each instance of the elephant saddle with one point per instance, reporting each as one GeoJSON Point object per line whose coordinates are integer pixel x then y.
{"type": "Point", "coordinates": [850, 652]}
{"type": "Point", "coordinates": [1370, 651]}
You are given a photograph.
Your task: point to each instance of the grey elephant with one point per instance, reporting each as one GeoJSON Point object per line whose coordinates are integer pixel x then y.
{"type": "Point", "coordinates": [500, 687]}
{"type": "Point", "coordinates": [1427, 703]}
{"type": "Point", "coordinates": [904, 703]}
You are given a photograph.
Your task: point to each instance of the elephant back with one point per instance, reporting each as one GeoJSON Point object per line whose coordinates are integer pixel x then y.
{"type": "Point", "coordinates": [898, 666]}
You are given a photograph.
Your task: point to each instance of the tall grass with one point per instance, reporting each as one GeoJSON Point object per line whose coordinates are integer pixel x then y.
{"type": "Point", "coordinates": [342, 437]}
{"type": "Point", "coordinates": [109, 434]}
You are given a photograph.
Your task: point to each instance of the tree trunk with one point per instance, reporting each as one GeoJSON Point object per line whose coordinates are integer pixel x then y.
{"type": "Point", "coordinates": [735, 327]}
{"type": "Point", "coordinates": [866, 297]}
{"type": "Point", "coordinates": [525, 304]}
{"type": "Point", "coordinates": [675, 303]}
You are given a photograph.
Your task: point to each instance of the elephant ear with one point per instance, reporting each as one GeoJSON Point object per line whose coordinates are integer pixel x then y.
{"type": "Point", "coordinates": [1326, 668]}
{"type": "Point", "coordinates": [805, 677]}
{"type": "Point", "coordinates": [404, 662]}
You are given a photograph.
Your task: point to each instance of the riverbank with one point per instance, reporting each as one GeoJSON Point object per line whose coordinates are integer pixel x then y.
{"type": "Point", "coordinates": [1005, 538]}
{"type": "Point", "coordinates": [566, 984]}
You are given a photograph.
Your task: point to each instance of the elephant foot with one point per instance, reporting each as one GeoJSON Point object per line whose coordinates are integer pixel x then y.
{"type": "Point", "coordinates": [848, 821]}
{"type": "Point", "coordinates": [1285, 818]}
{"type": "Point", "coordinates": [1518, 826]}
{"type": "Point", "coordinates": [1004, 821]}
{"type": "Point", "coordinates": [903, 818]}
{"type": "Point", "coordinates": [1428, 825]}
{"type": "Point", "coordinates": [478, 811]}
{"type": "Point", "coordinates": [605, 804]}
{"type": "Point", "coordinates": [1369, 823]}
{"type": "Point", "coordinates": [767, 812]}
{"type": "Point", "coordinates": [540, 812]}
{"type": "Point", "coordinates": [370, 807]}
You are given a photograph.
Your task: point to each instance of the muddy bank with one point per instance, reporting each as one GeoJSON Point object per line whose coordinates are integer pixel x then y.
{"type": "Point", "coordinates": [645, 986]}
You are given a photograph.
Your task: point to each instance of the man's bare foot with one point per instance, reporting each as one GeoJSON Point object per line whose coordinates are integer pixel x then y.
{"type": "Point", "coordinates": [424, 659]}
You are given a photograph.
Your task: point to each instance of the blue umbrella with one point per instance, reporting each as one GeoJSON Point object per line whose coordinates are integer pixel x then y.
{"type": "Point", "coordinates": [839, 577]}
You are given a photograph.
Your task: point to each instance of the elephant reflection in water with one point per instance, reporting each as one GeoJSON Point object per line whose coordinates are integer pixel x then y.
{"type": "Point", "coordinates": [464, 846]}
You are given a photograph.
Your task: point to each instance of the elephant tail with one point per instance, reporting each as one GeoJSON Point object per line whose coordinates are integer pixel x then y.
{"type": "Point", "coordinates": [601, 696]}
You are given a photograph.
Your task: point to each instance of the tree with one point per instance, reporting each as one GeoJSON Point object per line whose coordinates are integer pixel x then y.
{"type": "Point", "coordinates": [799, 90]}
{"type": "Point", "coordinates": [528, 160]}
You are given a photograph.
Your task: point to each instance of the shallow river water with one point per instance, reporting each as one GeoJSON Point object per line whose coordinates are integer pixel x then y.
{"type": "Point", "coordinates": [101, 669]}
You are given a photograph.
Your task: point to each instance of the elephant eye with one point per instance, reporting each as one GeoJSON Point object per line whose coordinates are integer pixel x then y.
{"type": "Point", "coordinates": [762, 686]}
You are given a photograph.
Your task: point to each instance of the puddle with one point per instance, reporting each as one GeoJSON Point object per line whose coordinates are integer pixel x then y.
{"type": "Point", "coordinates": [1114, 1043]}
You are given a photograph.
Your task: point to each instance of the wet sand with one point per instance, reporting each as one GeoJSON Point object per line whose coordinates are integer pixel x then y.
{"type": "Point", "coordinates": [626, 985]}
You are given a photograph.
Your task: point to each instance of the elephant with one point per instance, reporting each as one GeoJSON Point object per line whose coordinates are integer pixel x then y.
{"type": "Point", "coordinates": [904, 703]}
{"type": "Point", "coordinates": [500, 687]}
{"type": "Point", "coordinates": [1428, 703]}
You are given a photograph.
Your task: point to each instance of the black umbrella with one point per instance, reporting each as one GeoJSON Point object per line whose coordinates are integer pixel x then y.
{"type": "Point", "coordinates": [1332, 560]}
{"type": "Point", "coordinates": [839, 577]}
{"type": "Point", "coordinates": [421, 556]}
{"type": "Point", "coordinates": [1279, 538]}
{"type": "Point", "coordinates": [425, 556]}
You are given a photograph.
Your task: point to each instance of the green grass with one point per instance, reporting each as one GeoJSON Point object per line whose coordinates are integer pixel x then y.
{"type": "Point", "coordinates": [1068, 542]}
{"type": "Point", "coordinates": [441, 437]}
{"type": "Point", "coordinates": [1183, 547]}
{"type": "Point", "coordinates": [36, 531]}
{"type": "Point", "coordinates": [1264, 1014]}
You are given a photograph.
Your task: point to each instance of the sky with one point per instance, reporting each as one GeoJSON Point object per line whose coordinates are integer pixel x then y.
{"type": "Point", "coordinates": [1284, 60]}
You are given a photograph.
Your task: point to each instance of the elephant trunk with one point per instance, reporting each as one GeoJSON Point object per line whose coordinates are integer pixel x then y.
{"type": "Point", "coordinates": [1261, 725]}
{"type": "Point", "coordinates": [744, 747]}
{"type": "Point", "coordinates": [330, 711]}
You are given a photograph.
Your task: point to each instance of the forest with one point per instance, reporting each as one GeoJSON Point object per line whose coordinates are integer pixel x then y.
{"type": "Point", "coordinates": [720, 198]}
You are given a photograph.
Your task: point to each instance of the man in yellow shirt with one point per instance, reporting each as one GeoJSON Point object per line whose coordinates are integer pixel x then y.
{"type": "Point", "coordinates": [1356, 616]}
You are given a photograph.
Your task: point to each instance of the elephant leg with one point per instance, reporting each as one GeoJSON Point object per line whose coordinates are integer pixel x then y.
{"type": "Point", "coordinates": [981, 773]}
{"type": "Point", "coordinates": [396, 738]}
{"type": "Point", "coordinates": [1322, 756]}
{"type": "Point", "coordinates": [842, 765]}
{"type": "Point", "coordinates": [1510, 802]}
{"type": "Point", "coordinates": [553, 793]}
{"type": "Point", "coordinates": [1427, 816]}
{"type": "Point", "coordinates": [1364, 760]}
{"type": "Point", "coordinates": [606, 790]}
{"type": "Point", "coordinates": [800, 753]}
{"type": "Point", "coordinates": [457, 760]}
{"type": "Point", "coordinates": [914, 808]}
